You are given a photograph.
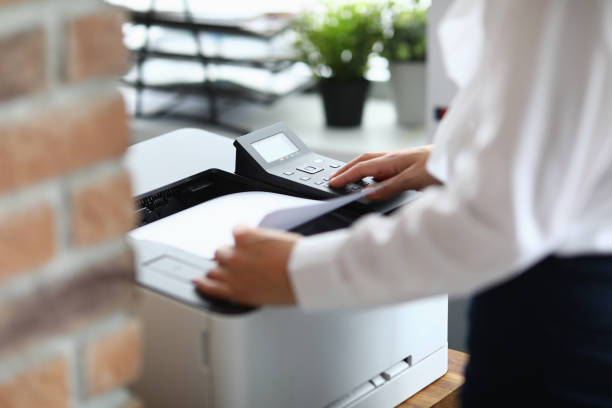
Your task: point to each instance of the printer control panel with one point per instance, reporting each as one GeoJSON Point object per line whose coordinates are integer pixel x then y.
{"type": "Point", "coordinates": [277, 156]}
{"type": "Point", "coordinates": [315, 171]}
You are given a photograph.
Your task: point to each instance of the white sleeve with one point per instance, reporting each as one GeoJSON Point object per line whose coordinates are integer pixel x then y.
{"type": "Point", "coordinates": [528, 131]}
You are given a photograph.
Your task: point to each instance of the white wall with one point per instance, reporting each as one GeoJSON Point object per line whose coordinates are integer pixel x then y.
{"type": "Point", "coordinates": [440, 89]}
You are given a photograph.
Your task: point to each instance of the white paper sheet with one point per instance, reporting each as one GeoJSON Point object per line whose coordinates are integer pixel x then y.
{"type": "Point", "coordinates": [203, 228]}
{"type": "Point", "coordinates": [290, 217]}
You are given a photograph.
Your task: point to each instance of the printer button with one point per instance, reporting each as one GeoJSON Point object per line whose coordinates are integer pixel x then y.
{"type": "Point", "coordinates": [368, 181]}
{"type": "Point", "coordinates": [377, 381]}
{"type": "Point", "coordinates": [326, 179]}
{"type": "Point", "coordinates": [288, 173]}
{"type": "Point", "coordinates": [334, 166]}
{"type": "Point", "coordinates": [304, 178]}
{"type": "Point", "coordinates": [309, 169]}
{"type": "Point", "coordinates": [318, 183]}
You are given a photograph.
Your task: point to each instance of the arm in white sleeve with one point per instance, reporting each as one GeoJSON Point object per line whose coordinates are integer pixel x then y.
{"type": "Point", "coordinates": [529, 130]}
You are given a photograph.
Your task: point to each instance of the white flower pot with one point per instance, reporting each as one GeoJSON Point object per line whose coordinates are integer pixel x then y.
{"type": "Point", "coordinates": [408, 88]}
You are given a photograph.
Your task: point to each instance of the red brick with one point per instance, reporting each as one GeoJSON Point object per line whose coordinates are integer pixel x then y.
{"type": "Point", "coordinates": [45, 385]}
{"type": "Point", "coordinates": [22, 64]}
{"type": "Point", "coordinates": [27, 239]}
{"type": "Point", "coordinates": [102, 210]}
{"type": "Point", "coordinates": [95, 46]}
{"type": "Point", "coordinates": [60, 139]}
{"type": "Point", "coordinates": [67, 304]}
{"type": "Point", "coordinates": [114, 360]}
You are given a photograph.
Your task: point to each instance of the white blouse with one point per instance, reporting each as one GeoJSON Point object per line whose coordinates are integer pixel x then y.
{"type": "Point", "coordinates": [525, 153]}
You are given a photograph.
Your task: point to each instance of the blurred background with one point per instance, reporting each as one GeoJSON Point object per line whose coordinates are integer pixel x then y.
{"type": "Point", "coordinates": [236, 66]}
{"type": "Point", "coordinates": [346, 76]}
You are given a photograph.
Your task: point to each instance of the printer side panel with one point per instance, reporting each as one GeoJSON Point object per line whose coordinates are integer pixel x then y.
{"type": "Point", "coordinates": [175, 371]}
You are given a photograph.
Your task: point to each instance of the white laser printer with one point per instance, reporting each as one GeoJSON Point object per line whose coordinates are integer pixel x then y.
{"type": "Point", "coordinates": [202, 352]}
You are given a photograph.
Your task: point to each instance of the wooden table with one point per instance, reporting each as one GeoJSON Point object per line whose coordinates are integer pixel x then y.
{"type": "Point", "coordinates": [444, 392]}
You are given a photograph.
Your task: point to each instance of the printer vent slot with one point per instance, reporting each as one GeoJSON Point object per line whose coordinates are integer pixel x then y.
{"type": "Point", "coordinates": [154, 199]}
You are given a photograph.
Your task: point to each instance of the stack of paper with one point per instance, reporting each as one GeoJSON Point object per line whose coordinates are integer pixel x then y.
{"type": "Point", "coordinates": [203, 228]}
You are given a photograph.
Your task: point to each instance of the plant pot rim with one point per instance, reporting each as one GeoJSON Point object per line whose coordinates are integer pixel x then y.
{"type": "Point", "coordinates": [334, 79]}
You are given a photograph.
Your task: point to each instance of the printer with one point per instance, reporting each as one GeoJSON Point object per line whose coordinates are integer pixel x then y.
{"type": "Point", "coordinates": [202, 352]}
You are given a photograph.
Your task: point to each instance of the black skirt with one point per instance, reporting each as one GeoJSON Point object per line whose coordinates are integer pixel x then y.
{"type": "Point", "coordinates": [544, 338]}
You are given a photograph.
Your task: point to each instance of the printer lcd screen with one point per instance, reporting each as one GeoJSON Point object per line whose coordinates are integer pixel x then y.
{"type": "Point", "coordinates": [274, 147]}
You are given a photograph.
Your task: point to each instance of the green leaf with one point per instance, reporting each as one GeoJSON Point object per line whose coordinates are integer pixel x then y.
{"type": "Point", "coordinates": [408, 41]}
{"type": "Point", "coordinates": [349, 28]}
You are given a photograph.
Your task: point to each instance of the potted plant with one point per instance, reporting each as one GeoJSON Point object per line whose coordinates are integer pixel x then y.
{"type": "Point", "coordinates": [336, 41]}
{"type": "Point", "coordinates": [405, 47]}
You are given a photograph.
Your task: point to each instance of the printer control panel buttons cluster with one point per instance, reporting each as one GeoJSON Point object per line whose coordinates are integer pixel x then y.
{"type": "Point", "coordinates": [316, 173]}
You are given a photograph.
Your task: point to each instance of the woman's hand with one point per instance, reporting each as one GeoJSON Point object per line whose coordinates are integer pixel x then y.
{"type": "Point", "coordinates": [254, 271]}
{"type": "Point", "coordinates": [397, 171]}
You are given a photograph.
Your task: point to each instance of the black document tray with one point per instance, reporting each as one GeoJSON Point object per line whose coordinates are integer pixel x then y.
{"type": "Point", "coordinates": [213, 183]}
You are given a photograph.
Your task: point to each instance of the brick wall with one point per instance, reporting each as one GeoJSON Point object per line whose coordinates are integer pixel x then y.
{"type": "Point", "coordinates": [67, 338]}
